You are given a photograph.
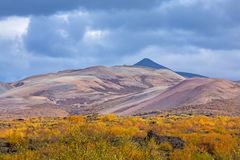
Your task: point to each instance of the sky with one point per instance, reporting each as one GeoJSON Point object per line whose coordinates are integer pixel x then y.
{"type": "Point", "coordinates": [199, 36]}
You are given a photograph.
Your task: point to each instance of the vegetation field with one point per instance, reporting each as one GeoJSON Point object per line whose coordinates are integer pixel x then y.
{"type": "Point", "coordinates": [110, 137]}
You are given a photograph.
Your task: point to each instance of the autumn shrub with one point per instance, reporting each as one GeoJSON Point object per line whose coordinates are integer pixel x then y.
{"type": "Point", "coordinates": [110, 137]}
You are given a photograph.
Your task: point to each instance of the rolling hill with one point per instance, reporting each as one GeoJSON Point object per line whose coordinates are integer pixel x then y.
{"type": "Point", "coordinates": [84, 91]}
{"type": "Point", "coordinates": [124, 90]}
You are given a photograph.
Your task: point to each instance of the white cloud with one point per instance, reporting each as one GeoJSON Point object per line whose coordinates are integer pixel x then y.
{"type": "Point", "coordinates": [13, 27]}
{"type": "Point", "coordinates": [97, 37]}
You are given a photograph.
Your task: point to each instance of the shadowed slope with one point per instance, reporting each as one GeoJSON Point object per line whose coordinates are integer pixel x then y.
{"type": "Point", "coordinates": [190, 75]}
{"type": "Point", "coordinates": [151, 64]}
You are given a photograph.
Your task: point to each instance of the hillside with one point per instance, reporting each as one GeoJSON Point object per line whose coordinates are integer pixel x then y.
{"type": "Point", "coordinates": [124, 90]}
{"type": "Point", "coordinates": [84, 91]}
{"type": "Point", "coordinates": [196, 95]}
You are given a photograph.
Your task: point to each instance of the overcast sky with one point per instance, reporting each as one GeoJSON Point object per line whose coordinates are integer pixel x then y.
{"type": "Point", "coordinates": [200, 36]}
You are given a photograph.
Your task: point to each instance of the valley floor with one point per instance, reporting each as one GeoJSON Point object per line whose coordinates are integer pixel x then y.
{"type": "Point", "coordinates": [110, 137]}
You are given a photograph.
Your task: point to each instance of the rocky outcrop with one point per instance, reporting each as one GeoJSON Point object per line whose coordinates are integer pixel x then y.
{"type": "Point", "coordinates": [176, 142]}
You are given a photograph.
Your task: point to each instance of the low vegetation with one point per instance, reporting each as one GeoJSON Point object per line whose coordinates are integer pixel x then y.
{"type": "Point", "coordinates": [111, 137]}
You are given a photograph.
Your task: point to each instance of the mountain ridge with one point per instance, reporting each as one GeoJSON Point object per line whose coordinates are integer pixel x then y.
{"type": "Point", "coordinates": [146, 62]}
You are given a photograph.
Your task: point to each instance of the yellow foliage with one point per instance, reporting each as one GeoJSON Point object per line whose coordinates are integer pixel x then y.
{"type": "Point", "coordinates": [113, 137]}
{"type": "Point", "coordinates": [109, 118]}
{"type": "Point", "coordinates": [77, 119]}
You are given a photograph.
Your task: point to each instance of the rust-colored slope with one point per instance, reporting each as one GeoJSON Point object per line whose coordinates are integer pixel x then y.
{"type": "Point", "coordinates": [191, 92]}
{"type": "Point", "coordinates": [85, 90]}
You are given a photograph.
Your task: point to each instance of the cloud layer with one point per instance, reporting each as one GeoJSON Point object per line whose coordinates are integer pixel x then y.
{"type": "Point", "coordinates": [46, 7]}
{"type": "Point", "coordinates": [188, 35]}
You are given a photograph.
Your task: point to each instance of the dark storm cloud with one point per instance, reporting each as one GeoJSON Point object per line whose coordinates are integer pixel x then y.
{"type": "Point", "coordinates": [202, 24]}
{"type": "Point", "coordinates": [46, 7]}
{"type": "Point", "coordinates": [53, 36]}
{"type": "Point", "coordinates": [72, 34]}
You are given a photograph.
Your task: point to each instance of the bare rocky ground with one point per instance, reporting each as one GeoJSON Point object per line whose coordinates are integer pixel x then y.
{"type": "Point", "coordinates": [124, 90]}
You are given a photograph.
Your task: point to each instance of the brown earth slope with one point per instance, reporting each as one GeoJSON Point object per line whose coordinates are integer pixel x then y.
{"type": "Point", "coordinates": [124, 90]}
{"type": "Point", "coordinates": [92, 90]}
{"type": "Point", "coordinates": [196, 95]}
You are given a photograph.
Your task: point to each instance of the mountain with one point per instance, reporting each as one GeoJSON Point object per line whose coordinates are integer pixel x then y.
{"type": "Point", "coordinates": [151, 64]}
{"type": "Point", "coordinates": [92, 90]}
{"type": "Point", "coordinates": [124, 90]}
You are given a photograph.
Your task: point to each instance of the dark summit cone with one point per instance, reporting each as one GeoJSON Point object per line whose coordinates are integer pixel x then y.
{"type": "Point", "coordinates": [149, 63]}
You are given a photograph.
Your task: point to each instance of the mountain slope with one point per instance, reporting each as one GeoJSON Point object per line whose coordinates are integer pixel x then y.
{"type": "Point", "coordinates": [84, 91]}
{"type": "Point", "coordinates": [124, 90]}
{"type": "Point", "coordinates": [192, 93]}
{"type": "Point", "coordinates": [190, 75]}
{"type": "Point", "coordinates": [151, 64]}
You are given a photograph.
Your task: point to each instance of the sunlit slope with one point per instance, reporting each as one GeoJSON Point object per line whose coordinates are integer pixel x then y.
{"type": "Point", "coordinates": [85, 90]}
